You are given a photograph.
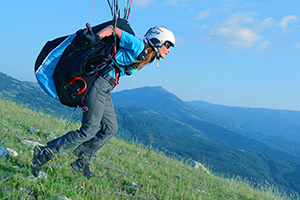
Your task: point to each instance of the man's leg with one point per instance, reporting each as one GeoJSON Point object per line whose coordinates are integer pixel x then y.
{"type": "Point", "coordinates": [108, 129]}
{"type": "Point", "coordinates": [90, 125]}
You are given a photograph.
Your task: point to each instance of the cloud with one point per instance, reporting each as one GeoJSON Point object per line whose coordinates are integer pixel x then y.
{"type": "Point", "coordinates": [176, 3]}
{"type": "Point", "coordinates": [236, 30]}
{"type": "Point", "coordinates": [285, 20]}
{"type": "Point", "coordinates": [238, 37]}
{"type": "Point", "coordinates": [297, 45]}
{"type": "Point", "coordinates": [179, 41]}
{"type": "Point", "coordinates": [199, 27]}
{"type": "Point", "coordinates": [202, 14]}
{"type": "Point", "coordinates": [268, 23]}
{"type": "Point", "coordinates": [264, 45]}
{"type": "Point", "coordinates": [143, 3]}
{"type": "Point", "coordinates": [240, 29]}
{"type": "Point", "coordinates": [246, 35]}
{"type": "Point", "coordinates": [241, 19]}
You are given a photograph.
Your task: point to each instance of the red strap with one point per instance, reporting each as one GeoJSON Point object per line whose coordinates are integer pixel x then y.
{"type": "Point", "coordinates": [114, 54]}
{"type": "Point", "coordinates": [117, 75]}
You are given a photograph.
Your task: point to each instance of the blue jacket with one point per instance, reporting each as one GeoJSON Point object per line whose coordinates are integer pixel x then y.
{"type": "Point", "coordinates": [131, 47]}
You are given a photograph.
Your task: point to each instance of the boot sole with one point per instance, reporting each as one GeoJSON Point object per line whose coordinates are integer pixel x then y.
{"type": "Point", "coordinates": [77, 169]}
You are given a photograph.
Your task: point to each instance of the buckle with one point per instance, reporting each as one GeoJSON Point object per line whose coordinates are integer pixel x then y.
{"type": "Point", "coordinates": [78, 89]}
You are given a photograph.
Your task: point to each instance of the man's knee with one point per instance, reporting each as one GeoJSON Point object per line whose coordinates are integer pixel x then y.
{"type": "Point", "coordinates": [112, 130]}
{"type": "Point", "coordinates": [86, 134]}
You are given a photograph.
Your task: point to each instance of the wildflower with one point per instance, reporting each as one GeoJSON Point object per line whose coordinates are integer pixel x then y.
{"type": "Point", "coordinates": [57, 166]}
{"type": "Point", "coordinates": [12, 130]}
{"type": "Point", "coordinates": [4, 177]}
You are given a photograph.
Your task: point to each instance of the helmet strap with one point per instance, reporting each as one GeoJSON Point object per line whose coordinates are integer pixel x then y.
{"type": "Point", "coordinates": [157, 63]}
{"type": "Point", "coordinates": [157, 54]}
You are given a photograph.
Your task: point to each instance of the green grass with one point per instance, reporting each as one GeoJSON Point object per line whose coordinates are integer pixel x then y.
{"type": "Point", "coordinates": [116, 166]}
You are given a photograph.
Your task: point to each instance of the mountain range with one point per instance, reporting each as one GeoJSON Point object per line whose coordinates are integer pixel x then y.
{"type": "Point", "coordinates": [272, 132]}
{"type": "Point", "coordinates": [259, 144]}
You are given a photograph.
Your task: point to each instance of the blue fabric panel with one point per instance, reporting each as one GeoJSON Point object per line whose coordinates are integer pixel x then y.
{"type": "Point", "coordinates": [44, 74]}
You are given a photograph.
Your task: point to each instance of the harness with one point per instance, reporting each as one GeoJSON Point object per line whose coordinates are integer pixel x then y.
{"type": "Point", "coordinates": [115, 11]}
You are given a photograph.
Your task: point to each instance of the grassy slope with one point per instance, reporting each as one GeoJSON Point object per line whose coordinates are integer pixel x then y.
{"type": "Point", "coordinates": [115, 166]}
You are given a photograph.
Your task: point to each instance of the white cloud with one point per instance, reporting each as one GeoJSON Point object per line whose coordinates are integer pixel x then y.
{"type": "Point", "coordinates": [268, 23]}
{"type": "Point", "coordinates": [239, 37]}
{"type": "Point", "coordinates": [264, 45]}
{"type": "Point", "coordinates": [143, 3]}
{"type": "Point", "coordinates": [237, 30]}
{"type": "Point", "coordinates": [241, 19]}
{"type": "Point", "coordinates": [179, 41]}
{"type": "Point", "coordinates": [247, 35]}
{"type": "Point", "coordinates": [240, 29]}
{"type": "Point", "coordinates": [268, 20]}
{"type": "Point", "coordinates": [297, 45]}
{"type": "Point", "coordinates": [177, 3]}
{"type": "Point", "coordinates": [285, 20]}
{"type": "Point", "coordinates": [198, 27]}
{"type": "Point", "coordinates": [205, 13]}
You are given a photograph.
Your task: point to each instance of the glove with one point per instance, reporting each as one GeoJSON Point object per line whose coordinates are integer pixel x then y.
{"type": "Point", "coordinates": [90, 37]}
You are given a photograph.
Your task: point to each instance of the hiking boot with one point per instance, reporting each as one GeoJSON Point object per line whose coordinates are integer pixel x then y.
{"type": "Point", "coordinates": [41, 155]}
{"type": "Point", "coordinates": [82, 167]}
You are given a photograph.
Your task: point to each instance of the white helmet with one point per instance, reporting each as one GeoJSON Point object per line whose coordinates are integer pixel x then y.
{"type": "Point", "coordinates": [157, 36]}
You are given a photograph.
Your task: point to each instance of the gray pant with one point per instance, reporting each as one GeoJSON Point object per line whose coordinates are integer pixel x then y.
{"type": "Point", "coordinates": [89, 138]}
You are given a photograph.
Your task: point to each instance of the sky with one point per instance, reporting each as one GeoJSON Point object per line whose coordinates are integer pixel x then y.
{"type": "Point", "coordinates": [231, 52]}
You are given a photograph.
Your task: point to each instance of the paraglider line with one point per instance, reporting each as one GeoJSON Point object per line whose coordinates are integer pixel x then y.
{"type": "Point", "coordinates": [92, 12]}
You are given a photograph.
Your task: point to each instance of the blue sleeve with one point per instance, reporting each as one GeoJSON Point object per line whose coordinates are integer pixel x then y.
{"type": "Point", "coordinates": [131, 43]}
{"type": "Point", "coordinates": [131, 47]}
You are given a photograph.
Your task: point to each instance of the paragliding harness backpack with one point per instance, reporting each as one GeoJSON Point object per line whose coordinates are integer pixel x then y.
{"type": "Point", "coordinates": [67, 67]}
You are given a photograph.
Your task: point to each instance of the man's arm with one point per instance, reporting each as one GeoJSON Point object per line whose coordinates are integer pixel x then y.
{"type": "Point", "coordinates": [108, 31]}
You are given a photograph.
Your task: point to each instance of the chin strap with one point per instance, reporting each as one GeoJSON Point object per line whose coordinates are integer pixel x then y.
{"type": "Point", "coordinates": [157, 54]}
{"type": "Point", "coordinates": [157, 57]}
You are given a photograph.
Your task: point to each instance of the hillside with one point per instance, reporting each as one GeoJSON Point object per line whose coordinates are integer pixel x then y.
{"type": "Point", "coordinates": [278, 128]}
{"type": "Point", "coordinates": [259, 121]}
{"type": "Point", "coordinates": [207, 121]}
{"type": "Point", "coordinates": [31, 95]}
{"type": "Point", "coordinates": [222, 158]}
{"type": "Point", "coordinates": [122, 170]}
{"type": "Point", "coordinates": [185, 137]}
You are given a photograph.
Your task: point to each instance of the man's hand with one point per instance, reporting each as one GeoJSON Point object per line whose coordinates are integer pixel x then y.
{"type": "Point", "coordinates": [90, 37]}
